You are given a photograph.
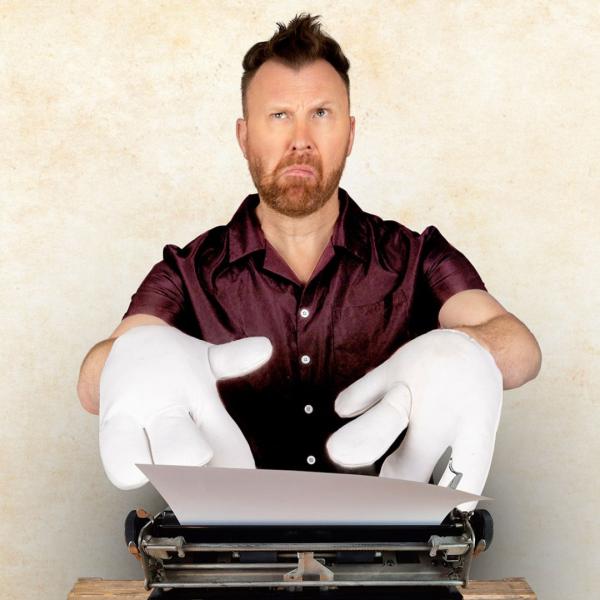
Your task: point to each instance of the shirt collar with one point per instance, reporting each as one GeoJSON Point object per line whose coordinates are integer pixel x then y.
{"type": "Point", "coordinates": [350, 230]}
{"type": "Point", "coordinates": [244, 232]}
{"type": "Point", "coordinates": [245, 235]}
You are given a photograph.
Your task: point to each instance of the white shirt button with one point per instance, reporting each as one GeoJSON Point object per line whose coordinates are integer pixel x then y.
{"type": "Point", "coordinates": [308, 409]}
{"type": "Point", "coordinates": [311, 460]}
{"type": "Point", "coordinates": [304, 312]}
{"type": "Point", "coordinates": [305, 359]}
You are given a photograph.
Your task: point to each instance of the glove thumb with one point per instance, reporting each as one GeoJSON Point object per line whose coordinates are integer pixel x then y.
{"type": "Point", "coordinates": [239, 357]}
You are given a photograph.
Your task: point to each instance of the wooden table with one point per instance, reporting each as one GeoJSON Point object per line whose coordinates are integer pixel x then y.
{"type": "Point", "coordinates": [106, 589]}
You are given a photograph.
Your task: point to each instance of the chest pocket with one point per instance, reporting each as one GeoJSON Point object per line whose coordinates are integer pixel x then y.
{"type": "Point", "coordinates": [366, 335]}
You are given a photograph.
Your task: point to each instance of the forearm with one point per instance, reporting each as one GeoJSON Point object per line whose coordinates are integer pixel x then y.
{"type": "Point", "coordinates": [512, 345]}
{"type": "Point", "coordinates": [88, 386]}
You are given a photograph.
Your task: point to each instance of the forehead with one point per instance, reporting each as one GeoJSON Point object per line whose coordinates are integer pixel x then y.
{"type": "Point", "coordinates": [276, 82]}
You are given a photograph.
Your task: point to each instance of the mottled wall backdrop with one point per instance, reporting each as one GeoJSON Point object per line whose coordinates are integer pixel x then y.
{"type": "Point", "coordinates": [117, 129]}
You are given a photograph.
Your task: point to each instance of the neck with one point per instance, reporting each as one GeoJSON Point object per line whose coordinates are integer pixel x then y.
{"type": "Point", "coordinates": [300, 240]}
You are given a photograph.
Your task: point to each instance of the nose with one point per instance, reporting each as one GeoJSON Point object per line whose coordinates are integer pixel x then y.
{"type": "Point", "coordinates": [301, 139]}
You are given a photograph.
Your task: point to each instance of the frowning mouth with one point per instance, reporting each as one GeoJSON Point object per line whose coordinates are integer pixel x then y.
{"type": "Point", "coordinates": [300, 171]}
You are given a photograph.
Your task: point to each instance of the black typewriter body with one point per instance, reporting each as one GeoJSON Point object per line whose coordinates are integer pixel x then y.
{"type": "Point", "coordinates": [324, 562]}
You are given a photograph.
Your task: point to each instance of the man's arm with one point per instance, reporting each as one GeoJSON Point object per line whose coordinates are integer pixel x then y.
{"type": "Point", "coordinates": [512, 345]}
{"type": "Point", "coordinates": [88, 386]}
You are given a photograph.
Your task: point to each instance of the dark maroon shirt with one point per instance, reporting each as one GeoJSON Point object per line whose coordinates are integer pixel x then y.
{"type": "Point", "coordinates": [376, 286]}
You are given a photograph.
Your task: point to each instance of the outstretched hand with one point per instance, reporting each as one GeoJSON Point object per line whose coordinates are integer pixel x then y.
{"type": "Point", "coordinates": [159, 402]}
{"type": "Point", "coordinates": [446, 389]}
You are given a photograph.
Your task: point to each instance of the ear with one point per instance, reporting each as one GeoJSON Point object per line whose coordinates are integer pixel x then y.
{"type": "Point", "coordinates": [241, 132]}
{"type": "Point", "coordinates": [351, 136]}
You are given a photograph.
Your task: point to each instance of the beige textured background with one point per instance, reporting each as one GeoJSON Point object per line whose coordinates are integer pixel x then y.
{"type": "Point", "coordinates": [117, 129]}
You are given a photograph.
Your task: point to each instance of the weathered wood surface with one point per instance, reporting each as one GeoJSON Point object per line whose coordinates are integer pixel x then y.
{"type": "Point", "coordinates": [515, 588]}
{"type": "Point", "coordinates": [105, 589]}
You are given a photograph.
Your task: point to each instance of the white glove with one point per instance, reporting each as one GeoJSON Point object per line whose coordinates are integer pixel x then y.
{"type": "Point", "coordinates": [159, 402]}
{"type": "Point", "coordinates": [447, 389]}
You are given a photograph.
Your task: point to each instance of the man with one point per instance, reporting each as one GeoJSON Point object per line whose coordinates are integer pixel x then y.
{"type": "Point", "coordinates": [338, 293]}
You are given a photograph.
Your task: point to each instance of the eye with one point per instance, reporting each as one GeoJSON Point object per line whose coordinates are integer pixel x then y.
{"type": "Point", "coordinates": [321, 112]}
{"type": "Point", "coordinates": [278, 116]}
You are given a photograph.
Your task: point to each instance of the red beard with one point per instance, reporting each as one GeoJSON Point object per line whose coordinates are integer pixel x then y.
{"type": "Point", "coordinates": [292, 195]}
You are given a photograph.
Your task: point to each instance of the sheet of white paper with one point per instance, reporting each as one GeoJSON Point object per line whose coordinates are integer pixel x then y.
{"type": "Point", "coordinates": [214, 496]}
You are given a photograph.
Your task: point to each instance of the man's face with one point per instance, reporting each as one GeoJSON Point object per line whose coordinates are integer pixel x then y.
{"type": "Point", "coordinates": [296, 118]}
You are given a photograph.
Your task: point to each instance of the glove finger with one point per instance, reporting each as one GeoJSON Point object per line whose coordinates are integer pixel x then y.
{"type": "Point", "coordinates": [176, 440]}
{"type": "Point", "coordinates": [472, 457]}
{"type": "Point", "coordinates": [362, 441]}
{"type": "Point", "coordinates": [123, 443]}
{"type": "Point", "coordinates": [226, 440]}
{"type": "Point", "coordinates": [364, 392]}
{"type": "Point", "coordinates": [416, 457]}
{"type": "Point", "coordinates": [239, 357]}
{"type": "Point", "coordinates": [473, 444]}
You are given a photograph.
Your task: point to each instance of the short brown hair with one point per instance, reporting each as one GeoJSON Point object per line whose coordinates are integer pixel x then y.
{"type": "Point", "coordinates": [297, 44]}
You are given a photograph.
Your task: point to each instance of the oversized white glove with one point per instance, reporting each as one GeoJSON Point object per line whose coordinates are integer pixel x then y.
{"type": "Point", "coordinates": [159, 402]}
{"type": "Point", "coordinates": [447, 388]}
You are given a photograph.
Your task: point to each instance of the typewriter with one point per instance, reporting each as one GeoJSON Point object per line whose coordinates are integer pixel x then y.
{"type": "Point", "coordinates": [318, 561]}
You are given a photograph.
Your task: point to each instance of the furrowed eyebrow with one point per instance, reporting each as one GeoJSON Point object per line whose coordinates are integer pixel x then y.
{"type": "Point", "coordinates": [324, 104]}
{"type": "Point", "coordinates": [283, 106]}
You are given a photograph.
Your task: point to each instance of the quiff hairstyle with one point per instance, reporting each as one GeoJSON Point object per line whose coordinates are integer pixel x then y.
{"type": "Point", "coordinates": [297, 44]}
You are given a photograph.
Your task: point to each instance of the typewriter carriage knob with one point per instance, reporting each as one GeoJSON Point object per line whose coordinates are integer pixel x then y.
{"type": "Point", "coordinates": [134, 521]}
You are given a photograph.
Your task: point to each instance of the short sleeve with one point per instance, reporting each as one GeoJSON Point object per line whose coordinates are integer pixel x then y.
{"type": "Point", "coordinates": [446, 270]}
{"type": "Point", "coordinates": [161, 293]}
